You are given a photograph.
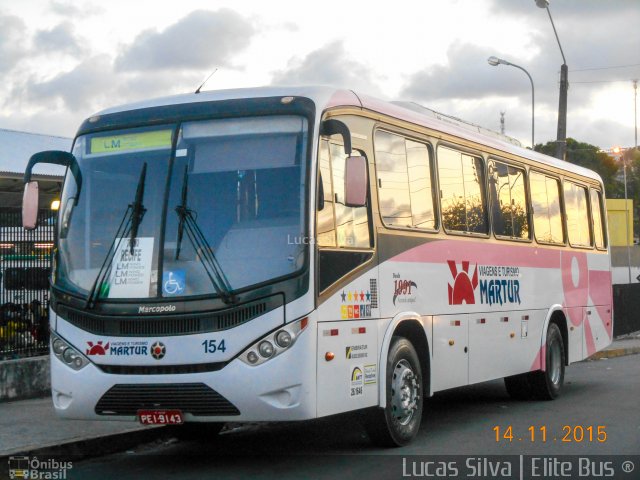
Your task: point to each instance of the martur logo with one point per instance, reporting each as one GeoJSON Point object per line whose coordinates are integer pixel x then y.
{"type": "Point", "coordinates": [98, 348]}
{"type": "Point", "coordinates": [464, 285]}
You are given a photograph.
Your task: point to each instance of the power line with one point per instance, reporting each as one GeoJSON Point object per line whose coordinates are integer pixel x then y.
{"type": "Point", "coordinates": [604, 81]}
{"type": "Point", "coordinates": [605, 68]}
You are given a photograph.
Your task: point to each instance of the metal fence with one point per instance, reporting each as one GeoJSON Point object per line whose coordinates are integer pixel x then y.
{"type": "Point", "coordinates": [25, 261]}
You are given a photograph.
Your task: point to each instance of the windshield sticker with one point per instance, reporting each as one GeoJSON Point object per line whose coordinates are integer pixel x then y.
{"type": "Point", "coordinates": [131, 141]}
{"type": "Point", "coordinates": [173, 282]}
{"type": "Point", "coordinates": [131, 272]}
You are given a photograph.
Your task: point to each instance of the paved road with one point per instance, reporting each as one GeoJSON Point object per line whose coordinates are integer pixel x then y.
{"type": "Point", "coordinates": [459, 421]}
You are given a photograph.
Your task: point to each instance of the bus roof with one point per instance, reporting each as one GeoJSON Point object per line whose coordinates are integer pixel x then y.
{"type": "Point", "coordinates": [328, 97]}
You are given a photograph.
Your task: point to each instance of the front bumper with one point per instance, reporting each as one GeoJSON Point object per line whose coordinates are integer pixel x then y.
{"type": "Point", "coordinates": [281, 389]}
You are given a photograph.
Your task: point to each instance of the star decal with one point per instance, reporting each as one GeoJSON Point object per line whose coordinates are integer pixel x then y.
{"type": "Point", "coordinates": [368, 296]}
{"type": "Point", "coordinates": [362, 296]}
{"type": "Point", "coordinates": [344, 296]}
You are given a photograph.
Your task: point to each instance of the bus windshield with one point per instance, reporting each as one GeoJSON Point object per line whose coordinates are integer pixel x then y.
{"type": "Point", "coordinates": [220, 205]}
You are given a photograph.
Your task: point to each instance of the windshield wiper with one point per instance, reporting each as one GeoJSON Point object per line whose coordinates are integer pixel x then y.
{"type": "Point", "coordinates": [204, 252]}
{"type": "Point", "coordinates": [128, 226]}
{"type": "Point", "coordinates": [137, 208]}
{"type": "Point", "coordinates": [181, 210]}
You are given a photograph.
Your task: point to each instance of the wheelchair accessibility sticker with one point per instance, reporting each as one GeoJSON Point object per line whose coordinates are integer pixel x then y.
{"type": "Point", "coordinates": [173, 282]}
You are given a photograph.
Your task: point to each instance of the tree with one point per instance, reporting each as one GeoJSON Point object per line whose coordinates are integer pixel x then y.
{"type": "Point", "coordinates": [591, 157]}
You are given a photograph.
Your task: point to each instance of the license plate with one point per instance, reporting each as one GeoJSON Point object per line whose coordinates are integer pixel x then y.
{"type": "Point", "coordinates": [160, 417]}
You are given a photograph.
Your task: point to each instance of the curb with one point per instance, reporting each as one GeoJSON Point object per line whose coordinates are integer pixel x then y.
{"type": "Point", "coordinates": [92, 447]}
{"type": "Point", "coordinates": [615, 352]}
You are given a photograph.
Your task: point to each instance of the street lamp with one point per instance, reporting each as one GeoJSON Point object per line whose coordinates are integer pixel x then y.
{"type": "Point", "coordinates": [495, 61]}
{"type": "Point", "coordinates": [561, 142]}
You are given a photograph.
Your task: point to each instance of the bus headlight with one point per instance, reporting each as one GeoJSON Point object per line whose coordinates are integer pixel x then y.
{"type": "Point", "coordinates": [67, 354]}
{"type": "Point", "coordinates": [283, 339]}
{"type": "Point", "coordinates": [266, 349]}
{"type": "Point", "coordinates": [274, 343]}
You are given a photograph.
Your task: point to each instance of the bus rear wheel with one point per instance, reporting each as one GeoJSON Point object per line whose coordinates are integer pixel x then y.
{"type": "Point", "coordinates": [548, 384]}
{"type": "Point", "coordinates": [542, 385]}
{"type": "Point", "coordinates": [398, 423]}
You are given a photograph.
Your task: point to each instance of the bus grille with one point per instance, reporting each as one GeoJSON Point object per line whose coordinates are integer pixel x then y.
{"type": "Point", "coordinates": [195, 398]}
{"type": "Point", "coordinates": [136, 326]}
{"type": "Point", "coordinates": [161, 369]}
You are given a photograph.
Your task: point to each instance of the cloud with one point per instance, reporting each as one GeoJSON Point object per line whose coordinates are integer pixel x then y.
{"type": "Point", "coordinates": [329, 65]}
{"type": "Point", "coordinates": [68, 9]}
{"type": "Point", "coordinates": [93, 85]}
{"type": "Point", "coordinates": [78, 89]}
{"type": "Point", "coordinates": [201, 40]}
{"type": "Point", "coordinates": [60, 38]}
{"type": "Point", "coordinates": [11, 42]}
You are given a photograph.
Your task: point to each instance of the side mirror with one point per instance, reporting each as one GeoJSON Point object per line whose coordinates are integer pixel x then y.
{"type": "Point", "coordinates": [30, 206]}
{"type": "Point", "coordinates": [30, 197]}
{"type": "Point", "coordinates": [355, 182]}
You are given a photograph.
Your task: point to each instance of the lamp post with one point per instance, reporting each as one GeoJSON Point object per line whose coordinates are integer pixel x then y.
{"type": "Point", "coordinates": [495, 61]}
{"type": "Point", "coordinates": [561, 141]}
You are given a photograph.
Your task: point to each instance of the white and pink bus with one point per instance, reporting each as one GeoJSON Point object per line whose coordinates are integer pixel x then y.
{"type": "Point", "coordinates": [282, 254]}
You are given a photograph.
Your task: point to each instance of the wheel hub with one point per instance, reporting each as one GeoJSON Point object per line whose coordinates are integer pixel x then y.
{"type": "Point", "coordinates": [404, 392]}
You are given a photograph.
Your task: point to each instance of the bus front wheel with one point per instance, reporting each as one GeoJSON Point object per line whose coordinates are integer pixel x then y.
{"type": "Point", "coordinates": [398, 423]}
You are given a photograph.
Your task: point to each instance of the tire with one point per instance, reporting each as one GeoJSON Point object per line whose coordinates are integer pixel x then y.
{"type": "Point", "coordinates": [547, 385]}
{"type": "Point", "coordinates": [398, 423]}
{"type": "Point", "coordinates": [198, 432]}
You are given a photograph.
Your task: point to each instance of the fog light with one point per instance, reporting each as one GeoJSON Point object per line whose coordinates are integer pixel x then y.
{"type": "Point", "coordinates": [283, 338]}
{"type": "Point", "coordinates": [266, 349]}
{"type": "Point", "coordinates": [252, 357]}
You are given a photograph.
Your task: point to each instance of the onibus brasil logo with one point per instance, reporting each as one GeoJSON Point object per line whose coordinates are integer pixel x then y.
{"type": "Point", "coordinates": [32, 468]}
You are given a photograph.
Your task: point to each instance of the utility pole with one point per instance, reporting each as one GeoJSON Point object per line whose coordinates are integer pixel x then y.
{"type": "Point", "coordinates": [635, 111]}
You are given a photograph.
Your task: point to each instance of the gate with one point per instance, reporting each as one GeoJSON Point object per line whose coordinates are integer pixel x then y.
{"type": "Point", "coordinates": [25, 262]}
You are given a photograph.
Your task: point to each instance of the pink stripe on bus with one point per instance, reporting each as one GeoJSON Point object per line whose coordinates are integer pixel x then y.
{"type": "Point", "coordinates": [439, 251]}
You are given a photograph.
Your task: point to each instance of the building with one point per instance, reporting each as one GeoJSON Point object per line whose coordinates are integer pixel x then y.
{"type": "Point", "coordinates": [17, 148]}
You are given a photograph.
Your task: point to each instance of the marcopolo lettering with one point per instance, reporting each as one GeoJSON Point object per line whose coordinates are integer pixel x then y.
{"type": "Point", "coordinates": [156, 309]}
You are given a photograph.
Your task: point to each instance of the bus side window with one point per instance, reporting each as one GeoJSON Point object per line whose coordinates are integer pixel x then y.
{"type": "Point", "coordinates": [462, 192]}
{"type": "Point", "coordinates": [404, 181]}
{"type": "Point", "coordinates": [352, 223]}
{"type": "Point", "coordinates": [596, 213]}
{"type": "Point", "coordinates": [326, 224]}
{"type": "Point", "coordinates": [508, 201]}
{"type": "Point", "coordinates": [575, 200]}
{"type": "Point", "coordinates": [547, 216]}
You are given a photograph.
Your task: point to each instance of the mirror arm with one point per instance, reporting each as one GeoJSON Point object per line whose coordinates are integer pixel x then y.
{"type": "Point", "coordinates": [55, 157]}
{"type": "Point", "coordinates": [336, 127]}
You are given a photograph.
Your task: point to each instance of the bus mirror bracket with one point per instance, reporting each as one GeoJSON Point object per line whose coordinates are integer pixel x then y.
{"type": "Point", "coordinates": [336, 127]}
{"type": "Point", "coordinates": [355, 181]}
{"type": "Point", "coordinates": [30, 196]}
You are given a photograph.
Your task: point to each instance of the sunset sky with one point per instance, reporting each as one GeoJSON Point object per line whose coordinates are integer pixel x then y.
{"type": "Point", "coordinates": [61, 61]}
